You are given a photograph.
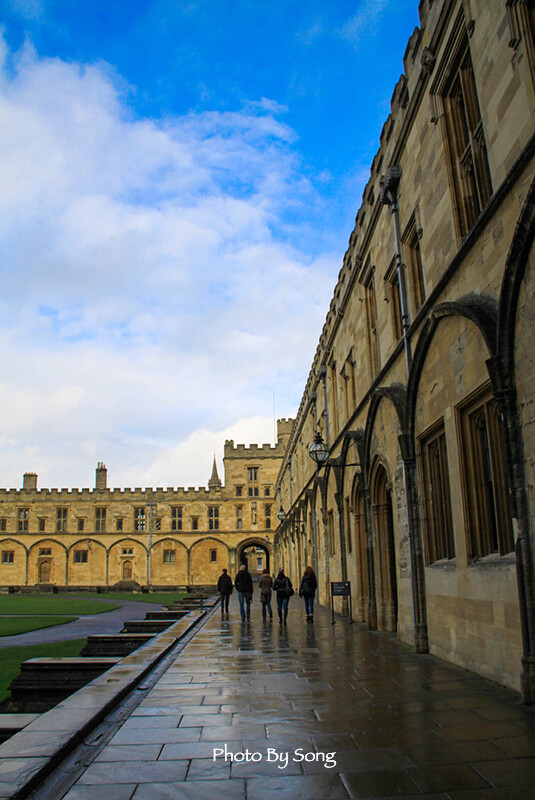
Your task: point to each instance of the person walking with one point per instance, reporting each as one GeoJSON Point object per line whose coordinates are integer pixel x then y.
{"type": "Point", "coordinates": [224, 587]}
{"type": "Point", "coordinates": [244, 584]}
{"type": "Point", "coordinates": [265, 584]}
{"type": "Point", "coordinates": [307, 591]}
{"type": "Point", "coordinates": [283, 587]}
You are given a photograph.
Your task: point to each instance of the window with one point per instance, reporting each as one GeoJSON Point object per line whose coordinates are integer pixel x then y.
{"type": "Point", "coordinates": [61, 520]}
{"type": "Point", "coordinates": [80, 524]}
{"type": "Point", "coordinates": [119, 524]}
{"type": "Point", "coordinates": [330, 533]}
{"type": "Point", "coordinates": [252, 473]}
{"type": "Point", "coordinates": [176, 518]}
{"type": "Point", "coordinates": [415, 270]}
{"type": "Point", "coordinates": [169, 556]}
{"type": "Point", "coordinates": [438, 524]}
{"type": "Point", "coordinates": [158, 524]}
{"type": "Point", "coordinates": [8, 556]}
{"type": "Point", "coordinates": [3, 524]}
{"type": "Point", "coordinates": [334, 397]}
{"type": "Point", "coordinates": [394, 300]}
{"type": "Point", "coordinates": [213, 518]}
{"type": "Point", "coordinates": [195, 523]}
{"type": "Point", "coordinates": [100, 520]}
{"type": "Point", "coordinates": [268, 516]}
{"type": "Point", "coordinates": [487, 500]}
{"type": "Point", "coordinates": [127, 551]}
{"type": "Point", "coordinates": [239, 517]}
{"type": "Point", "coordinates": [253, 491]}
{"type": "Point", "coordinates": [259, 563]}
{"type": "Point", "coordinates": [239, 491]}
{"type": "Point", "coordinates": [24, 515]}
{"type": "Point", "coordinates": [140, 520]}
{"type": "Point", "coordinates": [371, 321]}
{"type": "Point", "coordinates": [267, 492]}
{"type": "Point", "coordinates": [80, 557]}
{"type": "Point", "coordinates": [472, 185]}
{"type": "Point", "coordinates": [45, 551]}
{"type": "Point", "coordinates": [213, 555]}
{"type": "Point", "coordinates": [41, 524]}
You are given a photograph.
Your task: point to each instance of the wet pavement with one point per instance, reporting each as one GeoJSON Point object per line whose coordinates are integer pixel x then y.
{"type": "Point", "coordinates": [253, 710]}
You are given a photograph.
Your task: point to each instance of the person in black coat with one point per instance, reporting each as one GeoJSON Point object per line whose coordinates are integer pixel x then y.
{"type": "Point", "coordinates": [307, 591]}
{"type": "Point", "coordinates": [244, 584]}
{"type": "Point", "coordinates": [224, 587]}
{"type": "Point", "coordinates": [283, 587]}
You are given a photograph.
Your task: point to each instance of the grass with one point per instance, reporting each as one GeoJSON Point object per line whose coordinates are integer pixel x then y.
{"type": "Point", "coordinates": [12, 657]}
{"type": "Point", "coordinates": [43, 604]}
{"type": "Point", "coordinates": [10, 626]}
{"type": "Point", "coordinates": [161, 598]}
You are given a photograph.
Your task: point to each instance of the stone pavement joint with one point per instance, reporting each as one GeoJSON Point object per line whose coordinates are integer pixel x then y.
{"type": "Point", "coordinates": [311, 711]}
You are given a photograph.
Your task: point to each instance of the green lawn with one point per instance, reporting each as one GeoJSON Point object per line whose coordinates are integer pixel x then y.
{"type": "Point", "coordinates": [42, 604]}
{"type": "Point", "coordinates": [10, 626]}
{"type": "Point", "coordinates": [161, 598]}
{"type": "Point", "coordinates": [12, 657]}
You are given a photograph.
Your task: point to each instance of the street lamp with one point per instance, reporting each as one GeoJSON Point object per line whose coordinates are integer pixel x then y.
{"type": "Point", "coordinates": [319, 451]}
{"type": "Point", "coordinates": [281, 514]}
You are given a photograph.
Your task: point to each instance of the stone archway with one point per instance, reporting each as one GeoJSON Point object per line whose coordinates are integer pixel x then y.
{"type": "Point", "coordinates": [385, 554]}
{"type": "Point", "coordinates": [255, 554]}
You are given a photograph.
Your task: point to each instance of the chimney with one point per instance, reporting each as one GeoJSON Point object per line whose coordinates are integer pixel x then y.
{"type": "Point", "coordinates": [101, 476]}
{"type": "Point", "coordinates": [29, 481]}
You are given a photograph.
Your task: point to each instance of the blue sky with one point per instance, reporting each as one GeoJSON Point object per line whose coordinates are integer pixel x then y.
{"type": "Point", "coordinates": [179, 182]}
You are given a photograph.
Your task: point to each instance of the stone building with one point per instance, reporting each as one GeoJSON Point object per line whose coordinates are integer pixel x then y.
{"type": "Point", "coordinates": [423, 382]}
{"type": "Point", "coordinates": [161, 538]}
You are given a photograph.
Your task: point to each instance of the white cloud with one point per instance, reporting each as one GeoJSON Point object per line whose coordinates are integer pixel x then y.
{"type": "Point", "coordinates": [152, 291]}
{"type": "Point", "coordinates": [365, 20]}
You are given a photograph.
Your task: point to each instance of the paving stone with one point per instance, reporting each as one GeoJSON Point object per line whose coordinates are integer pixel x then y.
{"type": "Point", "coordinates": [130, 752]}
{"type": "Point", "coordinates": [192, 790]}
{"type": "Point", "coordinates": [134, 772]}
{"type": "Point", "coordinates": [306, 787]}
{"type": "Point", "coordinates": [156, 735]}
{"type": "Point", "coordinates": [107, 791]}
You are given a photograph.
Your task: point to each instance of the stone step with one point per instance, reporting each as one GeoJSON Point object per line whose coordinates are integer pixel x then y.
{"type": "Point", "coordinates": [115, 644]}
{"type": "Point", "coordinates": [146, 625]}
{"type": "Point", "coordinates": [10, 724]}
{"type": "Point", "coordinates": [166, 614]}
{"type": "Point", "coordinates": [45, 681]}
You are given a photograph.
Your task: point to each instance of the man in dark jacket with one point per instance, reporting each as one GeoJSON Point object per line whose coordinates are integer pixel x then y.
{"type": "Point", "coordinates": [224, 587]}
{"type": "Point", "coordinates": [244, 585]}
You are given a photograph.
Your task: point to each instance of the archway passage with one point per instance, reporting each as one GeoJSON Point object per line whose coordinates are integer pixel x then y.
{"type": "Point", "coordinates": [385, 554]}
{"type": "Point", "coordinates": [256, 556]}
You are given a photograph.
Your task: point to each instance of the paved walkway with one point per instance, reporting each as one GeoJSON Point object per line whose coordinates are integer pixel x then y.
{"type": "Point", "coordinates": [328, 712]}
{"type": "Point", "coordinates": [85, 625]}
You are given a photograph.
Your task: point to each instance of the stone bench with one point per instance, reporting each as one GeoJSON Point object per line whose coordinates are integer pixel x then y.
{"type": "Point", "coordinates": [115, 644]}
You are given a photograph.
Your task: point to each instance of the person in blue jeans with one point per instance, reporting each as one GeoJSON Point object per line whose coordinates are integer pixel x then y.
{"type": "Point", "coordinates": [265, 584]}
{"type": "Point", "coordinates": [283, 587]}
{"type": "Point", "coordinates": [244, 584]}
{"type": "Point", "coordinates": [307, 591]}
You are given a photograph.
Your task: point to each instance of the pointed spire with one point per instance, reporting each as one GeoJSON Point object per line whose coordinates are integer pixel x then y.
{"type": "Point", "coordinates": [214, 482]}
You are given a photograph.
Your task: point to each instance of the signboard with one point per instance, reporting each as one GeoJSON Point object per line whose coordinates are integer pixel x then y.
{"type": "Point", "coordinates": [341, 589]}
